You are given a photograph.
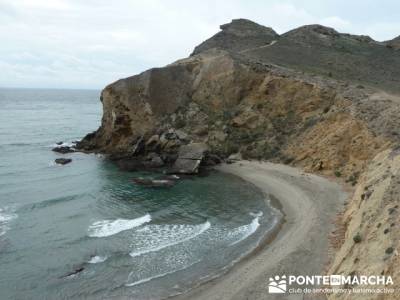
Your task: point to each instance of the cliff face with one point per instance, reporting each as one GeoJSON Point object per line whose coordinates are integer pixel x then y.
{"type": "Point", "coordinates": [371, 240]}
{"type": "Point", "coordinates": [311, 97]}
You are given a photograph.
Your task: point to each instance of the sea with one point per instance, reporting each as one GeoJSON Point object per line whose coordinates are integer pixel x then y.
{"type": "Point", "coordinates": [85, 231]}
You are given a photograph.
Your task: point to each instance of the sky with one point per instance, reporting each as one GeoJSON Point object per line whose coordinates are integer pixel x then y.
{"type": "Point", "coordinates": [91, 43]}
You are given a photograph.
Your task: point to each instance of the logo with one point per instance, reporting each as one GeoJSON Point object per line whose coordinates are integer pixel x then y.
{"type": "Point", "coordinates": [336, 279]}
{"type": "Point", "coordinates": [330, 283]}
{"type": "Point", "coordinates": [277, 285]}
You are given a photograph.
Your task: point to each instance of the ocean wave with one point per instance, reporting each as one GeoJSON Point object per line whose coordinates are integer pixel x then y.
{"type": "Point", "coordinates": [64, 144]}
{"type": "Point", "coordinates": [6, 217]}
{"type": "Point", "coordinates": [97, 259]}
{"type": "Point", "coordinates": [110, 227]}
{"type": "Point", "coordinates": [153, 238]}
{"type": "Point", "coordinates": [243, 232]}
{"type": "Point", "coordinates": [144, 280]}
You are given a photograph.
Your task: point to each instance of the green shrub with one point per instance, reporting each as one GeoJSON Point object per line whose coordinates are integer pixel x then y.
{"type": "Point", "coordinates": [357, 238]}
{"type": "Point", "coordinates": [389, 250]}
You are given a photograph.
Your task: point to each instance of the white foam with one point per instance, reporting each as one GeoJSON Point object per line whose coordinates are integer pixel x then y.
{"type": "Point", "coordinates": [158, 275]}
{"type": "Point", "coordinates": [5, 218]}
{"type": "Point", "coordinates": [97, 259]}
{"type": "Point", "coordinates": [156, 237]}
{"type": "Point", "coordinates": [110, 227]}
{"type": "Point", "coordinates": [64, 144]}
{"type": "Point", "coordinates": [246, 230]}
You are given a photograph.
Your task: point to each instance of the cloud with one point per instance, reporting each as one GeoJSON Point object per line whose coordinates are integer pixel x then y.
{"type": "Point", "coordinates": [74, 43]}
{"type": "Point", "coordinates": [337, 23]}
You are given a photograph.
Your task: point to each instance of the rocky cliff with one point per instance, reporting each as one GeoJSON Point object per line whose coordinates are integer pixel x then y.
{"type": "Point", "coordinates": [312, 97]}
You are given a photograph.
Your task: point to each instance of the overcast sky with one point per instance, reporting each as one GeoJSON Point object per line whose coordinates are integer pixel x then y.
{"type": "Point", "coordinates": [88, 43]}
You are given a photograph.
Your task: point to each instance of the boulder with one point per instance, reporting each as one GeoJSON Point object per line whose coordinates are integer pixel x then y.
{"type": "Point", "coordinates": [235, 156]}
{"type": "Point", "coordinates": [169, 158]}
{"type": "Point", "coordinates": [181, 135]}
{"type": "Point", "coordinates": [62, 161]}
{"type": "Point", "coordinates": [192, 151]}
{"type": "Point", "coordinates": [63, 149]}
{"type": "Point", "coordinates": [185, 166]}
{"type": "Point", "coordinates": [153, 143]}
{"type": "Point", "coordinates": [169, 140]}
{"type": "Point", "coordinates": [189, 158]}
{"type": "Point", "coordinates": [211, 160]}
{"type": "Point", "coordinates": [153, 160]}
{"type": "Point", "coordinates": [138, 146]}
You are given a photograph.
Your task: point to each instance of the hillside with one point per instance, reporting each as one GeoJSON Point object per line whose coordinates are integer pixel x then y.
{"type": "Point", "coordinates": [316, 49]}
{"type": "Point", "coordinates": [313, 98]}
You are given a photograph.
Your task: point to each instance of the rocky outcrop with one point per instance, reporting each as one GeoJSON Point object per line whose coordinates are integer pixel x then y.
{"type": "Point", "coordinates": [312, 98]}
{"type": "Point", "coordinates": [63, 149]}
{"type": "Point", "coordinates": [239, 35]}
{"type": "Point", "coordinates": [236, 99]}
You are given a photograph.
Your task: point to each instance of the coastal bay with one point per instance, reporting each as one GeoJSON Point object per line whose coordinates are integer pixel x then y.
{"type": "Point", "coordinates": [310, 204]}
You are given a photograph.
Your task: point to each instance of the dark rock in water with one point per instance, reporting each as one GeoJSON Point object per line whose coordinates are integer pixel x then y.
{"type": "Point", "coordinates": [62, 161]}
{"type": "Point", "coordinates": [59, 143]}
{"type": "Point", "coordinates": [76, 271]}
{"type": "Point", "coordinates": [153, 182]}
{"type": "Point", "coordinates": [63, 149]}
{"type": "Point", "coordinates": [189, 159]}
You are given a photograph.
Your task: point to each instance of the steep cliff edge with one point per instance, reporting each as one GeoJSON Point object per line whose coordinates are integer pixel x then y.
{"type": "Point", "coordinates": [312, 97]}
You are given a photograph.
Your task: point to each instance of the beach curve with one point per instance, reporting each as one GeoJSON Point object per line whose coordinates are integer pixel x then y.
{"type": "Point", "coordinates": [310, 204]}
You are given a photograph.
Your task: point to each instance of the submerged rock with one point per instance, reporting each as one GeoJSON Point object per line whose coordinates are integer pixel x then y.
{"type": "Point", "coordinates": [169, 177]}
{"type": "Point", "coordinates": [62, 161]}
{"type": "Point", "coordinates": [74, 272]}
{"type": "Point", "coordinates": [153, 182]}
{"type": "Point", "coordinates": [63, 149]}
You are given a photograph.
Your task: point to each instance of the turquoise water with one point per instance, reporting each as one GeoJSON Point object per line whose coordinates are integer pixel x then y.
{"type": "Point", "coordinates": [129, 242]}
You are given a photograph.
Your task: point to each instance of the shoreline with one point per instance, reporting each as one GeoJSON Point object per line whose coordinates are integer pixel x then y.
{"type": "Point", "coordinates": [299, 245]}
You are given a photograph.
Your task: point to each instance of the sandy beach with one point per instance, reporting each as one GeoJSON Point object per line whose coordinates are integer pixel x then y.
{"type": "Point", "coordinates": [301, 247]}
